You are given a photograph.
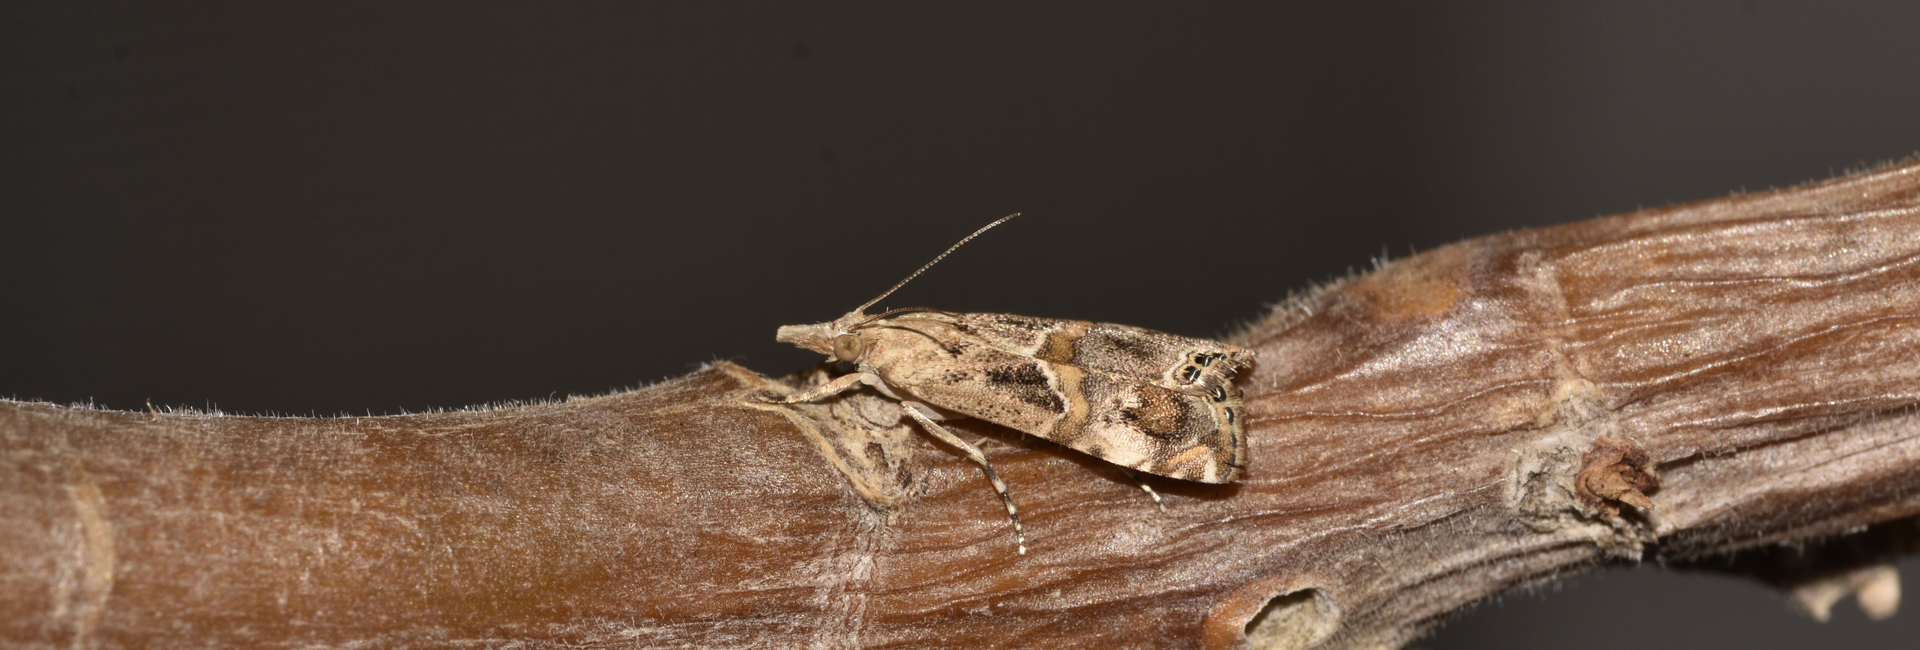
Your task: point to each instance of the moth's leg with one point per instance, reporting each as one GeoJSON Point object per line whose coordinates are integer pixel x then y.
{"type": "Point", "coordinates": [914, 411]}
{"type": "Point", "coordinates": [835, 387]}
{"type": "Point", "coordinates": [1143, 485]}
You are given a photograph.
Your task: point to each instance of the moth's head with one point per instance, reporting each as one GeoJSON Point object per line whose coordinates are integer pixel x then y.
{"type": "Point", "coordinates": [839, 339]}
{"type": "Point", "coordinates": [836, 339]}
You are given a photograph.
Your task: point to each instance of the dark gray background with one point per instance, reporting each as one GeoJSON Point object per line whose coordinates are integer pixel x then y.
{"type": "Point", "coordinates": [351, 207]}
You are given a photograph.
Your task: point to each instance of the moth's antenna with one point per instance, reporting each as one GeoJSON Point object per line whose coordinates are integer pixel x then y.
{"type": "Point", "coordinates": [936, 260]}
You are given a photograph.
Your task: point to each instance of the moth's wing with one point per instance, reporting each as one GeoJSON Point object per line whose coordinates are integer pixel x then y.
{"type": "Point", "coordinates": [1180, 434]}
{"type": "Point", "coordinates": [1123, 421]}
{"type": "Point", "coordinates": [1176, 362]}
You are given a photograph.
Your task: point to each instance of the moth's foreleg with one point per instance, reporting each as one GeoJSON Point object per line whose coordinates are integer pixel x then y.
{"type": "Point", "coordinates": [840, 385]}
{"type": "Point", "coordinates": [915, 410]}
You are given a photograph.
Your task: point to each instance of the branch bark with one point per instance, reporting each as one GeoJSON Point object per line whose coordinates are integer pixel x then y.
{"type": "Point", "coordinates": [1738, 374]}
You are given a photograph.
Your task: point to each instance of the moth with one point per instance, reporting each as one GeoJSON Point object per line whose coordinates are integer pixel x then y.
{"type": "Point", "coordinates": [1134, 397]}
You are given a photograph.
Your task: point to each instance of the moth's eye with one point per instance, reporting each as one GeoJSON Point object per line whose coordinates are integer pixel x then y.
{"type": "Point", "coordinates": [848, 347]}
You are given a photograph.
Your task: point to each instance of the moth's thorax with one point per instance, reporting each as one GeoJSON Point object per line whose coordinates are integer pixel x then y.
{"type": "Point", "coordinates": [891, 349]}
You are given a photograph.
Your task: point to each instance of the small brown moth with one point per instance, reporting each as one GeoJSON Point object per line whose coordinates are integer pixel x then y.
{"type": "Point", "coordinates": [1137, 398]}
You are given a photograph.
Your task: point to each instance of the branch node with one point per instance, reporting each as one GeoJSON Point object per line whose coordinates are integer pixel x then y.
{"type": "Point", "coordinates": [1615, 472]}
{"type": "Point", "coordinates": [1577, 471]}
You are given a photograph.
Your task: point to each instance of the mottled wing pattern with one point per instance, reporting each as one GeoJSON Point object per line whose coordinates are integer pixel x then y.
{"type": "Point", "coordinates": [1128, 420]}
{"type": "Point", "coordinates": [1197, 366]}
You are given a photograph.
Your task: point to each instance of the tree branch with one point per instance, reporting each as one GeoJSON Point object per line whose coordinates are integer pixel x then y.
{"type": "Point", "coordinates": [1676, 383]}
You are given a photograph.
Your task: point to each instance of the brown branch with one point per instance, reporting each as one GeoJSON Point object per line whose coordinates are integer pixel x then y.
{"type": "Point", "coordinates": [1733, 374]}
